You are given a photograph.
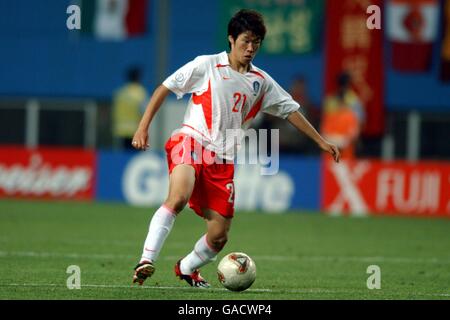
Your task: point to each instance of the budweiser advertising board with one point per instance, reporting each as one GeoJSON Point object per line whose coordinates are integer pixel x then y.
{"type": "Point", "coordinates": [47, 173]}
{"type": "Point", "coordinates": [365, 187]}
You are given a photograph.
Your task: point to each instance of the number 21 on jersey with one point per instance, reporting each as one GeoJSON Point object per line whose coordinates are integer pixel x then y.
{"type": "Point", "coordinates": [239, 101]}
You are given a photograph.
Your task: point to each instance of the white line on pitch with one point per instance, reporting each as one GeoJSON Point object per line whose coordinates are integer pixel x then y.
{"type": "Point", "coordinates": [443, 260]}
{"type": "Point", "coordinates": [123, 287]}
{"type": "Point", "coordinates": [304, 291]}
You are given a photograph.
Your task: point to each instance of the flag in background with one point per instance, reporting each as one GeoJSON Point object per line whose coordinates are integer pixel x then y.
{"type": "Point", "coordinates": [350, 46]}
{"type": "Point", "coordinates": [293, 27]}
{"type": "Point", "coordinates": [113, 19]}
{"type": "Point", "coordinates": [445, 62]}
{"type": "Point", "coordinates": [412, 28]}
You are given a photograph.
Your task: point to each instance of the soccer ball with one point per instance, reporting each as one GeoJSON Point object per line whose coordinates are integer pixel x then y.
{"type": "Point", "coordinates": [236, 271]}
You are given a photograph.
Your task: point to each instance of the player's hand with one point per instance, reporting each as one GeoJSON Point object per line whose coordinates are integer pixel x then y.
{"type": "Point", "coordinates": [331, 149]}
{"type": "Point", "coordinates": [140, 140]}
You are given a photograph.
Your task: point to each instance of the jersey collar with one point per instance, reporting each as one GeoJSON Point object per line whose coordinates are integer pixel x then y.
{"type": "Point", "coordinates": [224, 62]}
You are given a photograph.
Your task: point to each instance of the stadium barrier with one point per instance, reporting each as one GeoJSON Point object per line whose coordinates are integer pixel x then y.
{"type": "Point", "coordinates": [359, 188]}
{"type": "Point", "coordinates": [47, 173]}
{"type": "Point", "coordinates": [141, 179]}
{"type": "Point", "coordinates": [366, 187]}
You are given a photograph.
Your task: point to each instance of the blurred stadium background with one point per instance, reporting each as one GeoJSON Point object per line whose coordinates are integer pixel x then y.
{"type": "Point", "coordinates": [57, 88]}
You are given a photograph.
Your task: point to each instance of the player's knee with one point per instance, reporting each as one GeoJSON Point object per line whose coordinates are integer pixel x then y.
{"type": "Point", "coordinates": [177, 202]}
{"type": "Point", "coordinates": [219, 242]}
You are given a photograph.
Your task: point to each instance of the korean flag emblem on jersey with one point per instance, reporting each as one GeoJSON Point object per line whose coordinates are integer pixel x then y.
{"type": "Point", "coordinates": [256, 86]}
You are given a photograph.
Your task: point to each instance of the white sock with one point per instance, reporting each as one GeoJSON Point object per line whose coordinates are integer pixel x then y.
{"type": "Point", "coordinates": [200, 256]}
{"type": "Point", "coordinates": [159, 228]}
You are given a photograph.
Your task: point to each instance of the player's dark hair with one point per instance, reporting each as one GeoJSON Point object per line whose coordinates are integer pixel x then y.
{"type": "Point", "coordinates": [246, 20]}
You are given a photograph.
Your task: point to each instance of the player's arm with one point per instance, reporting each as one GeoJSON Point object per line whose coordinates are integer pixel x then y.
{"type": "Point", "coordinates": [303, 125]}
{"type": "Point", "coordinates": [140, 139]}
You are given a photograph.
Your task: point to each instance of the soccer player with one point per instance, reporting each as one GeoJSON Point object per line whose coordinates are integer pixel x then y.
{"type": "Point", "coordinates": [227, 91]}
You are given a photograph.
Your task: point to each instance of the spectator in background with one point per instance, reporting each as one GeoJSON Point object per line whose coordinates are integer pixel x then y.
{"type": "Point", "coordinates": [343, 116]}
{"type": "Point", "coordinates": [290, 140]}
{"type": "Point", "coordinates": [129, 103]}
{"type": "Point", "coordinates": [299, 92]}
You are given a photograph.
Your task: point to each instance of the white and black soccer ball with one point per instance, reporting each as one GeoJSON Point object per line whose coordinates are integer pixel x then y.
{"type": "Point", "coordinates": [236, 271]}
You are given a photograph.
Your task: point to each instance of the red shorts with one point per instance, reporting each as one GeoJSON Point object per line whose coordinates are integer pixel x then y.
{"type": "Point", "coordinates": [214, 186]}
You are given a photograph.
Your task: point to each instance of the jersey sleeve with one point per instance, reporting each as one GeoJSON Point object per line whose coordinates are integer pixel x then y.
{"type": "Point", "coordinates": [277, 101]}
{"type": "Point", "coordinates": [189, 78]}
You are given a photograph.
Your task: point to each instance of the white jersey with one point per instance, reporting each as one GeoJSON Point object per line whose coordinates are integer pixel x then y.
{"type": "Point", "coordinates": [225, 101]}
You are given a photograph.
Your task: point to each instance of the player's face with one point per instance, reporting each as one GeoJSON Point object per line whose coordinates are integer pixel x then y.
{"type": "Point", "coordinates": [245, 47]}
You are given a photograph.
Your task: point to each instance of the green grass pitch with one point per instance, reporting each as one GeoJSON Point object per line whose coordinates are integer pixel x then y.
{"type": "Point", "coordinates": [299, 256]}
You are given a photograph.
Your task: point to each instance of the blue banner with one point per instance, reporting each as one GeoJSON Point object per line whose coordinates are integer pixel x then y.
{"type": "Point", "coordinates": [141, 178]}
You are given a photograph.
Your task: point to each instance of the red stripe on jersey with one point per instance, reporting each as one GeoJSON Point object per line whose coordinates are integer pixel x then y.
{"type": "Point", "coordinates": [257, 73]}
{"type": "Point", "coordinates": [205, 100]}
{"type": "Point", "coordinates": [221, 65]}
{"type": "Point", "coordinates": [255, 109]}
{"type": "Point", "coordinates": [190, 127]}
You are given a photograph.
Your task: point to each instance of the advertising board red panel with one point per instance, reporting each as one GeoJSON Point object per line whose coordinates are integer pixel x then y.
{"type": "Point", "coordinates": [47, 173]}
{"type": "Point", "coordinates": [394, 188]}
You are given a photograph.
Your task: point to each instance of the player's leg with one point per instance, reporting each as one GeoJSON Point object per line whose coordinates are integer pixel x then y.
{"type": "Point", "coordinates": [205, 249]}
{"type": "Point", "coordinates": [218, 227]}
{"type": "Point", "coordinates": [181, 184]}
{"type": "Point", "coordinates": [212, 199]}
{"type": "Point", "coordinates": [210, 244]}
